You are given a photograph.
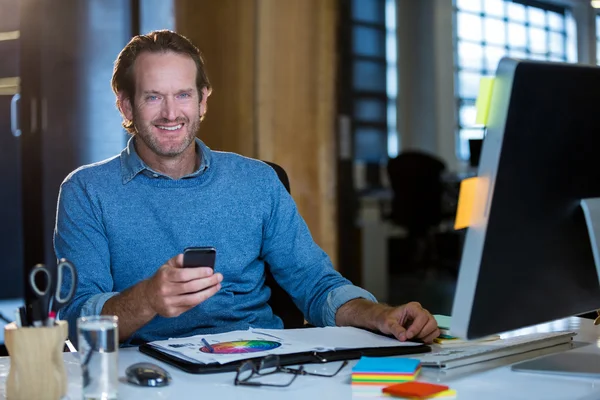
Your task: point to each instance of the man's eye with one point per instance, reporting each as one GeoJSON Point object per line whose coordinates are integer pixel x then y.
{"type": "Point", "coordinates": [151, 98]}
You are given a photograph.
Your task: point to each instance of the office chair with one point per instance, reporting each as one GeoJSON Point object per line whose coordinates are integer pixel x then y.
{"type": "Point", "coordinates": [280, 301]}
{"type": "Point", "coordinates": [415, 178]}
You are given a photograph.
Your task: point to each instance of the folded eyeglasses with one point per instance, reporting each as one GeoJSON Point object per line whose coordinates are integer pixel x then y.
{"type": "Point", "coordinates": [271, 365]}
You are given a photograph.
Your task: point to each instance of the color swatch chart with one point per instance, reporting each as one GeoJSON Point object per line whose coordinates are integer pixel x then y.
{"type": "Point", "coordinates": [241, 347]}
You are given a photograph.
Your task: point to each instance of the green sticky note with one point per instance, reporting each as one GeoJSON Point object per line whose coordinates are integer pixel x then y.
{"type": "Point", "coordinates": [443, 321]}
{"type": "Point", "coordinates": [484, 98]}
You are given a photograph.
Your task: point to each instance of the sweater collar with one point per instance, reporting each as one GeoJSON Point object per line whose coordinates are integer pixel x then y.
{"type": "Point", "coordinates": [132, 164]}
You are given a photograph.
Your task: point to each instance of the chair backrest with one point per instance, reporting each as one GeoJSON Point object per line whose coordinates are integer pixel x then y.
{"type": "Point", "coordinates": [415, 178]}
{"type": "Point", "coordinates": [280, 302]}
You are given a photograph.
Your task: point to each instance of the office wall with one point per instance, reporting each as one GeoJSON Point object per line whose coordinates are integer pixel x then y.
{"type": "Point", "coordinates": [426, 109]}
{"type": "Point", "coordinates": [272, 66]}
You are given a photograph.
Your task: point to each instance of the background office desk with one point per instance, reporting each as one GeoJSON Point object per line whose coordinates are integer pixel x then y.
{"type": "Point", "coordinates": [491, 380]}
{"type": "Point", "coordinates": [377, 229]}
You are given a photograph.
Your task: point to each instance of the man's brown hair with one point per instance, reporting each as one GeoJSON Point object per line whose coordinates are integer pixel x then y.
{"type": "Point", "coordinates": [160, 41]}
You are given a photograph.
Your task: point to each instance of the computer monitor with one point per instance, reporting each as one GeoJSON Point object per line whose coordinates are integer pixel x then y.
{"type": "Point", "coordinates": [527, 255]}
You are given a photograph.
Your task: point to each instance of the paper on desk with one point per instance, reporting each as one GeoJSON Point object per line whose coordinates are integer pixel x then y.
{"type": "Point", "coordinates": [228, 347]}
{"type": "Point", "coordinates": [337, 338]}
{"type": "Point", "coordinates": [240, 345]}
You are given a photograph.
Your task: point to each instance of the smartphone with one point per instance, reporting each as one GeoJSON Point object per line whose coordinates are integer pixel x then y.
{"type": "Point", "coordinates": [199, 257]}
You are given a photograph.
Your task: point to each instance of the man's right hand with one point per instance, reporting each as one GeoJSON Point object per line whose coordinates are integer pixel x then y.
{"type": "Point", "coordinates": [169, 293]}
{"type": "Point", "coordinates": [173, 289]}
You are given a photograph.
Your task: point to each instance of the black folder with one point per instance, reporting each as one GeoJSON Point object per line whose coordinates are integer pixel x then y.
{"type": "Point", "coordinates": [311, 357]}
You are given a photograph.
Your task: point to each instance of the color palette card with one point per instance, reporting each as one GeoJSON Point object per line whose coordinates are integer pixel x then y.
{"type": "Point", "coordinates": [383, 371]}
{"type": "Point", "coordinates": [419, 390]}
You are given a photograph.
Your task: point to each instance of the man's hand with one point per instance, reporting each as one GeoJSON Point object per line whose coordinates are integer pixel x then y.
{"type": "Point", "coordinates": [173, 289]}
{"type": "Point", "coordinates": [409, 321]}
{"type": "Point", "coordinates": [169, 293]}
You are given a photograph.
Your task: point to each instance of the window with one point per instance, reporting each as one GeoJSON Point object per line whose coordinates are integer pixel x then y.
{"type": "Point", "coordinates": [371, 79]}
{"type": "Point", "coordinates": [486, 31]}
{"type": "Point", "coordinates": [156, 14]}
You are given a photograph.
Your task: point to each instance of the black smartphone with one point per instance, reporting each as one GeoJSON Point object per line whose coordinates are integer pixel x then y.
{"type": "Point", "coordinates": [199, 257]}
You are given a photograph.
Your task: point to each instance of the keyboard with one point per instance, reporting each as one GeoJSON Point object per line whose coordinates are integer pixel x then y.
{"type": "Point", "coordinates": [474, 352]}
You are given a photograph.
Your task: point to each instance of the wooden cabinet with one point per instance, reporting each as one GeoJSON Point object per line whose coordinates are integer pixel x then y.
{"type": "Point", "coordinates": [11, 243]}
{"type": "Point", "coordinates": [11, 246]}
{"type": "Point", "coordinates": [63, 55]}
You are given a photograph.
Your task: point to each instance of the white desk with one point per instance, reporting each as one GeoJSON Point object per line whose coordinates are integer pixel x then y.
{"type": "Point", "coordinates": [490, 381]}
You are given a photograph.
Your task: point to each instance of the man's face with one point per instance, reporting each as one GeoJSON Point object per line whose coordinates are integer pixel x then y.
{"type": "Point", "coordinates": [166, 109]}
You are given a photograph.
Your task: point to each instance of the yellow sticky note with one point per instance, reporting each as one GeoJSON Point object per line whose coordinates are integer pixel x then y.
{"type": "Point", "coordinates": [484, 98]}
{"type": "Point", "coordinates": [443, 395]}
{"type": "Point", "coordinates": [466, 202]}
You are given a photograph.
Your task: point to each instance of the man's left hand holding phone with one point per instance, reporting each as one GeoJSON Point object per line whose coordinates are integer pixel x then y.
{"type": "Point", "coordinates": [179, 285]}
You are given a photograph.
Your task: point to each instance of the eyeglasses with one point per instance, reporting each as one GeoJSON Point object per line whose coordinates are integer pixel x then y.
{"type": "Point", "coordinates": [271, 365]}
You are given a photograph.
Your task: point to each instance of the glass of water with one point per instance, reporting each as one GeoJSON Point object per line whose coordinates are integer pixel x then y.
{"type": "Point", "coordinates": [98, 341]}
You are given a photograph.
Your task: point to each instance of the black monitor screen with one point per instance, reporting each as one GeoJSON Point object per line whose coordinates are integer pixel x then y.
{"type": "Point", "coordinates": [527, 257]}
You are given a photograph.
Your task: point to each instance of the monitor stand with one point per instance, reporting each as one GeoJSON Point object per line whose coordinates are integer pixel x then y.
{"type": "Point", "coordinates": [574, 363]}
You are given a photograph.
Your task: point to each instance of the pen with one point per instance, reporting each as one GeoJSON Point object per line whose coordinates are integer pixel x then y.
{"type": "Point", "coordinates": [208, 346]}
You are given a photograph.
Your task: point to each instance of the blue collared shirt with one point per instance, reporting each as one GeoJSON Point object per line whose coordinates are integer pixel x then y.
{"type": "Point", "coordinates": [118, 221]}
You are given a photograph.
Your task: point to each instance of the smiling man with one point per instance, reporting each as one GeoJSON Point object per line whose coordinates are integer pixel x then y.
{"type": "Point", "coordinates": [125, 221]}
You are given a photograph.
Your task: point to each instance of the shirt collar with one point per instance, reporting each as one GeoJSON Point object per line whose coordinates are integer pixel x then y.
{"type": "Point", "coordinates": [132, 164]}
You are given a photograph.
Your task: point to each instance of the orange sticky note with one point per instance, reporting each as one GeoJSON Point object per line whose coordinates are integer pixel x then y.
{"type": "Point", "coordinates": [466, 202]}
{"type": "Point", "coordinates": [415, 390]}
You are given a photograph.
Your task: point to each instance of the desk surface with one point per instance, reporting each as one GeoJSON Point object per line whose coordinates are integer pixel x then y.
{"type": "Point", "coordinates": [490, 380]}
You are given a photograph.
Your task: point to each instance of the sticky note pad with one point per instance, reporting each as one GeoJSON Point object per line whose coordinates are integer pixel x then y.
{"type": "Point", "coordinates": [415, 390]}
{"type": "Point", "coordinates": [375, 365]}
{"type": "Point", "coordinates": [484, 98]}
{"type": "Point", "coordinates": [443, 321]}
{"type": "Point", "coordinates": [390, 376]}
{"type": "Point", "coordinates": [466, 201]}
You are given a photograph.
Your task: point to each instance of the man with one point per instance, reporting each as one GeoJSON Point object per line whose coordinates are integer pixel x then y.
{"type": "Point", "coordinates": [124, 222]}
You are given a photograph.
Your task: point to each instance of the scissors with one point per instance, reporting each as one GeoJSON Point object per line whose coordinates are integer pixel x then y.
{"type": "Point", "coordinates": [46, 283]}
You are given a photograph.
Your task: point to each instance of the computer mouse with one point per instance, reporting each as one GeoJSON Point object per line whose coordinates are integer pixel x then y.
{"type": "Point", "coordinates": [147, 374]}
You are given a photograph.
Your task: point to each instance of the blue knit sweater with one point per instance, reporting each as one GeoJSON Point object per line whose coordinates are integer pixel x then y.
{"type": "Point", "coordinates": [118, 221]}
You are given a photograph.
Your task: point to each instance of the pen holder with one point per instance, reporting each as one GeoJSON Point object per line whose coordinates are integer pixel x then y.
{"type": "Point", "coordinates": [37, 369]}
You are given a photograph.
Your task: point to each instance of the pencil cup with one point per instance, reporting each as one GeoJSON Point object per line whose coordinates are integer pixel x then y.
{"type": "Point", "coordinates": [37, 369]}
